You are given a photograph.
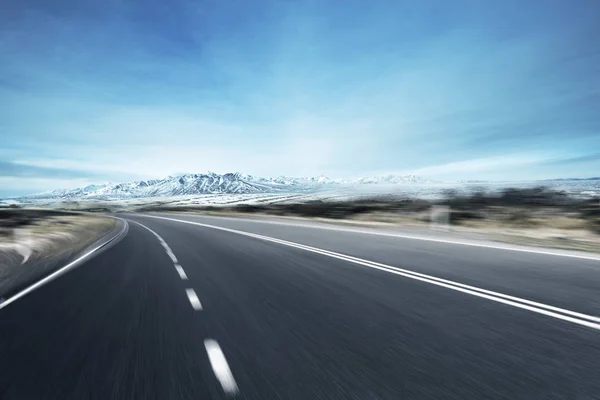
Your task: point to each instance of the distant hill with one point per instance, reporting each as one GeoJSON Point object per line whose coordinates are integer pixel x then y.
{"type": "Point", "coordinates": [212, 183]}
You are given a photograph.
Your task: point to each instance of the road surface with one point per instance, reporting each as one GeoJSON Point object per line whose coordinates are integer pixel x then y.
{"type": "Point", "coordinates": [190, 307]}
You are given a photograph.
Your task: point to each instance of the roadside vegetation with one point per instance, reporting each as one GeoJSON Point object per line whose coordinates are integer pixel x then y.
{"type": "Point", "coordinates": [510, 207]}
{"type": "Point", "coordinates": [534, 216]}
{"type": "Point", "coordinates": [33, 242]}
{"type": "Point", "coordinates": [13, 217]}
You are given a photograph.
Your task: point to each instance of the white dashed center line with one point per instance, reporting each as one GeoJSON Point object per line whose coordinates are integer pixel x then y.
{"type": "Point", "coordinates": [168, 250]}
{"type": "Point", "coordinates": [181, 272]}
{"type": "Point", "coordinates": [194, 300]}
{"type": "Point", "coordinates": [170, 254]}
{"type": "Point", "coordinates": [215, 354]}
{"type": "Point", "coordinates": [220, 367]}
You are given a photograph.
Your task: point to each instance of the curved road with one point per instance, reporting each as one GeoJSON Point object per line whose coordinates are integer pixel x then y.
{"type": "Point", "coordinates": [191, 307]}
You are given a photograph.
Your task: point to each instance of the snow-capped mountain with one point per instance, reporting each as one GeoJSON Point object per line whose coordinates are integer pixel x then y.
{"type": "Point", "coordinates": [390, 179]}
{"type": "Point", "coordinates": [212, 183]}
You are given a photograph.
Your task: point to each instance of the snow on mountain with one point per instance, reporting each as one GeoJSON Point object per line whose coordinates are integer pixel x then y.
{"type": "Point", "coordinates": [79, 192]}
{"type": "Point", "coordinates": [212, 183]}
{"type": "Point", "coordinates": [243, 185]}
{"type": "Point", "coordinates": [390, 179]}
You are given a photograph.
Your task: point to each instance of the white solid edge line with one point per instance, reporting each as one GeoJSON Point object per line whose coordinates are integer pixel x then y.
{"type": "Point", "coordinates": [181, 272]}
{"type": "Point", "coordinates": [62, 270]}
{"type": "Point", "coordinates": [540, 308]}
{"type": "Point", "coordinates": [492, 293]}
{"type": "Point", "coordinates": [449, 282]}
{"type": "Point", "coordinates": [194, 300]}
{"type": "Point", "coordinates": [220, 367]}
{"type": "Point", "coordinates": [412, 237]}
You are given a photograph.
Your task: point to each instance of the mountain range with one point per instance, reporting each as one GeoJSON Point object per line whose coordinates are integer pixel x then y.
{"type": "Point", "coordinates": [212, 183]}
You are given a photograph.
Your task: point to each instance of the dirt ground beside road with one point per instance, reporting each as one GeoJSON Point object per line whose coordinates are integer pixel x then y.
{"type": "Point", "coordinates": [33, 242]}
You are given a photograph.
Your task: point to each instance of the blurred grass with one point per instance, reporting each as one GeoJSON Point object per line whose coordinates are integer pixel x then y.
{"type": "Point", "coordinates": [537, 213]}
{"type": "Point", "coordinates": [54, 231]}
{"type": "Point", "coordinates": [54, 237]}
{"type": "Point", "coordinates": [511, 207]}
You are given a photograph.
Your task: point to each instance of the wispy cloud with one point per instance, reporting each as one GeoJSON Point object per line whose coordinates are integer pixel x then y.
{"type": "Point", "coordinates": [21, 170]}
{"type": "Point", "coordinates": [454, 90]}
{"type": "Point", "coordinates": [591, 159]}
{"type": "Point", "coordinates": [480, 166]}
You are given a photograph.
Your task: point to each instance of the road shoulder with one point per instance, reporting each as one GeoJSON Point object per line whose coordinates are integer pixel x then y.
{"type": "Point", "coordinates": [49, 252]}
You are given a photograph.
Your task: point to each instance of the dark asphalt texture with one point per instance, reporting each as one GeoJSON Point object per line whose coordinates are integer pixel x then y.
{"type": "Point", "coordinates": [299, 325]}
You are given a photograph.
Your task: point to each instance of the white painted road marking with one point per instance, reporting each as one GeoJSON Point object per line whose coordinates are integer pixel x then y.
{"type": "Point", "coordinates": [557, 253]}
{"type": "Point", "coordinates": [540, 308]}
{"type": "Point", "coordinates": [181, 272]}
{"type": "Point", "coordinates": [64, 269]}
{"type": "Point", "coordinates": [166, 247]}
{"type": "Point", "coordinates": [220, 367]}
{"type": "Point", "coordinates": [170, 254]}
{"type": "Point", "coordinates": [194, 300]}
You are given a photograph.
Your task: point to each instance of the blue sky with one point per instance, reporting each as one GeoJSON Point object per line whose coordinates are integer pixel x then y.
{"type": "Point", "coordinates": [116, 90]}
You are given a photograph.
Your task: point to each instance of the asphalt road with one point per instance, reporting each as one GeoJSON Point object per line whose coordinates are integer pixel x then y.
{"type": "Point", "coordinates": [177, 310]}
